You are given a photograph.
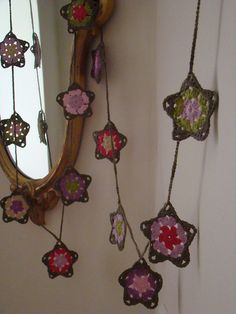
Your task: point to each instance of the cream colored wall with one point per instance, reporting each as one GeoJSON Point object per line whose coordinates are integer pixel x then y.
{"type": "Point", "coordinates": [148, 46]}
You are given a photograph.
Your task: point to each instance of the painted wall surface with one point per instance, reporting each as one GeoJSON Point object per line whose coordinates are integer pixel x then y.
{"type": "Point", "coordinates": [148, 48]}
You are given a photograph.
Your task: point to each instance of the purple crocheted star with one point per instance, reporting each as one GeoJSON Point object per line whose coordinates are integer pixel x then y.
{"type": "Point", "coordinates": [97, 63]}
{"type": "Point", "coordinates": [12, 51]}
{"type": "Point", "coordinates": [59, 261]}
{"type": "Point", "coordinates": [191, 110]}
{"type": "Point", "coordinates": [169, 237]}
{"type": "Point", "coordinates": [76, 102]}
{"type": "Point", "coordinates": [141, 285]}
{"type": "Point", "coordinates": [118, 231]}
{"type": "Point", "coordinates": [72, 186]}
{"type": "Point", "coordinates": [36, 50]}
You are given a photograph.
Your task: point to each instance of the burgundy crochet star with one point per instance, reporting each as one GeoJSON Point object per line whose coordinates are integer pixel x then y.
{"type": "Point", "coordinates": [169, 237]}
{"type": "Point", "coordinates": [59, 261]}
{"type": "Point", "coordinates": [109, 143]}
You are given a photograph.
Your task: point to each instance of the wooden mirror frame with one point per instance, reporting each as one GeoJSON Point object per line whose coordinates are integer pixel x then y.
{"type": "Point", "coordinates": [41, 191]}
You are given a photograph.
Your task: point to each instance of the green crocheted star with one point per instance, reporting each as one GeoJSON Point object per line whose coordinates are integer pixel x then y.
{"type": "Point", "coordinates": [191, 110]}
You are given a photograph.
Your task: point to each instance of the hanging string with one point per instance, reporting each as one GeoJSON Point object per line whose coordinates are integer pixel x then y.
{"type": "Point", "coordinates": [191, 63]}
{"type": "Point", "coordinates": [114, 162]}
{"type": "Point", "coordinates": [106, 80]}
{"type": "Point", "coordinates": [72, 68]}
{"type": "Point", "coordinates": [173, 171]}
{"type": "Point", "coordinates": [47, 136]}
{"type": "Point", "coordinates": [52, 233]}
{"type": "Point", "coordinates": [14, 126]}
{"type": "Point", "coordinates": [10, 12]}
{"type": "Point", "coordinates": [62, 221]}
{"type": "Point", "coordinates": [14, 104]}
{"type": "Point", "coordinates": [74, 58]}
{"type": "Point", "coordinates": [61, 226]}
{"type": "Point", "coordinates": [39, 91]}
{"type": "Point", "coordinates": [31, 15]}
{"type": "Point", "coordinates": [71, 138]}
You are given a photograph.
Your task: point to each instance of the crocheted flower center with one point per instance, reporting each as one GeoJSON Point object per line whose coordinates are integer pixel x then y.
{"type": "Point", "coordinates": [119, 228]}
{"type": "Point", "coordinates": [60, 261]}
{"type": "Point", "coordinates": [16, 206]}
{"type": "Point", "coordinates": [72, 186]}
{"type": "Point", "coordinates": [192, 110]}
{"type": "Point", "coordinates": [141, 284]}
{"type": "Point", "coordinates": [79, 12]}
{"type": "Point", "coordinates": [169, 236]}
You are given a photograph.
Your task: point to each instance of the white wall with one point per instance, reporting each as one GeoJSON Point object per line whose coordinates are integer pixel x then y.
{"type": "Point", "coordinates": [148, 48]}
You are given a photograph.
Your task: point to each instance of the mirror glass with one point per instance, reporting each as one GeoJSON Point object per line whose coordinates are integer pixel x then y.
{"type": "Point", "coordinates": [53, 75]}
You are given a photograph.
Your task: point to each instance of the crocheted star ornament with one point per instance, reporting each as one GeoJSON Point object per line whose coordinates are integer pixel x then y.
{"type": "Point", "coordinates": [15, 207]}
{"type": "Point", "coordinates": [141, 285]}
{"type": "Point", "coordinates": [191, 110]}
{"type": "Point", "coordinates": [80, 14]}
{"type": "Point", "coordinates": [59, 261]}
{"type": "Point", "coordinates": [42, 127]}
{"type": "Point", "coordinates": [108, 142]}
{"type": "Point", "coordinates": [14, 130]}
{"type": "Point", "coordinates": [169, 237]}
{"type": "Point", "coordinates": [118, 228]}
{"type": "Point", "coordinates": [36, 50]}
{"type": "Point", "coordinates": [12, 51]}
{"type": "Point", "coordinates": [97, 63]}
{"type": "Point", "coordinates": [72, 186]}
{"type": "Point", "coordinates": [76, 102]}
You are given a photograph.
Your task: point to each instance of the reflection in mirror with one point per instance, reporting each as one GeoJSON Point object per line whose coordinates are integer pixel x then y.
{"type": "Point", "coordinates": [56, 46]}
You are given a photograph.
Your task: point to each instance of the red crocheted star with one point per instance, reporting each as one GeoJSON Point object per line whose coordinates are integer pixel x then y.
{"type": "Point", "coordinates": [59, 261]}
{"type": "Point", "coordinates": [109, 143]}
{"type": "Point", "coordinates": [169, 237]}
